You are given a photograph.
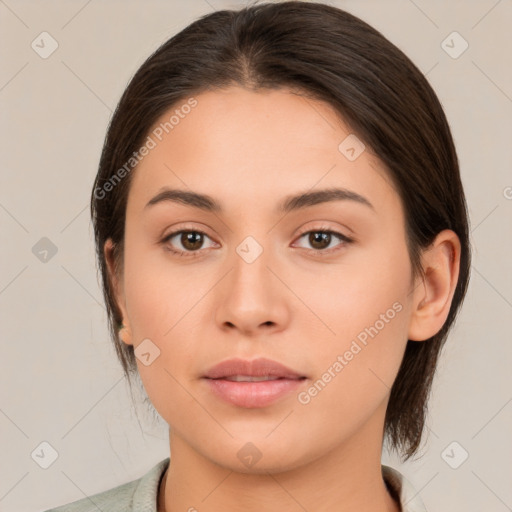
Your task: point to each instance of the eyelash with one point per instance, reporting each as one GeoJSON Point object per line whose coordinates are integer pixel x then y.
{"type": "Point", "coordinates": [320, 252]}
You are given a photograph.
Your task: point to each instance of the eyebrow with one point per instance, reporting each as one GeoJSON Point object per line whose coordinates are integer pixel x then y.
{"type": "Point", "coordinates": [290, 203]}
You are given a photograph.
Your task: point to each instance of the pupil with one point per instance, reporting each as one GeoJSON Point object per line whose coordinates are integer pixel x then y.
{"type": "Point", "coordinates": [318, 238]}
{"type": "Point", "coordinates": [192, 240]}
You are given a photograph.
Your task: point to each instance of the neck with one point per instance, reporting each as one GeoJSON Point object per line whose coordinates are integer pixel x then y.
{"type": "Point", "coordinates": [346, 478]}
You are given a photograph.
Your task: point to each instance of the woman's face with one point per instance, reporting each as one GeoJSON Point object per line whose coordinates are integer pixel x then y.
{"type": "Point", "coordinates": [262, 282]}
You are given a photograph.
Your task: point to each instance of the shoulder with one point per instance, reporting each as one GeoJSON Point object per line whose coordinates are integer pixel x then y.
{"type": "Point", "coordinates": [139, 494]}
{"type": "Point", "coordinates": [402, 490]}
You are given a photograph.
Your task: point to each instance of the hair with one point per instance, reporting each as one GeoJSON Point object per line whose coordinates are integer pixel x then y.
{"type": "Point", "coordinates": [329, 55]}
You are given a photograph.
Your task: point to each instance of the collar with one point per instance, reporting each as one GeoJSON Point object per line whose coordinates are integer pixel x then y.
{"type": "Point", "coordinates": [402, 490]}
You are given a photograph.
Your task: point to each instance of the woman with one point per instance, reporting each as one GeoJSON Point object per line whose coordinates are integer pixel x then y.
{"type": "Point", "coordinates": [282, 235]}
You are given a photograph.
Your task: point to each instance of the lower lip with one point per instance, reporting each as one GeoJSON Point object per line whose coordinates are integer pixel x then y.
{"type": "Point", "coordinates": [253, 394]}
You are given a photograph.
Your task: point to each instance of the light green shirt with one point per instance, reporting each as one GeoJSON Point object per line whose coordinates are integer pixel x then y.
{"type": "Point", "coordinates": [141, 495]}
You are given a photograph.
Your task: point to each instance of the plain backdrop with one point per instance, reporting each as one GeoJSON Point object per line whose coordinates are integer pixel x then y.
{"type": "Point", "coordinates": [61, 381]}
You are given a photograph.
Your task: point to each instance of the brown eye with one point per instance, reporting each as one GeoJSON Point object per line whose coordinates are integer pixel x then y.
{"type": "Point", "coordinates": [186, 242]}
{"type": "Point", "coordinates": [191, 240]}
{"type": "Point", "coordinates": [319, 239]}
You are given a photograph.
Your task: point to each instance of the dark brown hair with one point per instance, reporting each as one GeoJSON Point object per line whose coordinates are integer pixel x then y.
{"type": "Point", "coordinates": [332, 56]}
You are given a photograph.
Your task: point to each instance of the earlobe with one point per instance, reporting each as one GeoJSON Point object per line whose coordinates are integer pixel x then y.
{"type": "Point", "coordinates": [124, 330]}
{"type": "Point", "coordinates": [433, 296]}
{"type": "Point", "coordinates": [125, 335]}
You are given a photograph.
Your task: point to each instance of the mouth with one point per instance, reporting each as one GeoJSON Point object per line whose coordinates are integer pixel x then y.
{"type": "Point", "coordinates": [252, 384]}
{"type": "Point", "coordinates": [242, 368]}
{"type": "Point", "coordinates": [249, 378]}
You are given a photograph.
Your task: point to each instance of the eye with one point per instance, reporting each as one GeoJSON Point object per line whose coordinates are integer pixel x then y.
{"type": "Point", "coordinates": [321, 240]}
{"type": "Point", "coordinates": [190, 241]}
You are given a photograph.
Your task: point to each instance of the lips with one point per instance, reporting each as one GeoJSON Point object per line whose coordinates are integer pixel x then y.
{"type": "Point", "coordinates": [252, 384]}
{"type": "Point", "coordinates": [259, 369]}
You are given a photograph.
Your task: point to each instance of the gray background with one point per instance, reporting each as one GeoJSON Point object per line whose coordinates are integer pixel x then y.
{"type": "Point", "coordinates": [61, 382]}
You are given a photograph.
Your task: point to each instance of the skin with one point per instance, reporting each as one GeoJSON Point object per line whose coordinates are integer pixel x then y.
{"type": "Point", "coordinates": [249, 150]}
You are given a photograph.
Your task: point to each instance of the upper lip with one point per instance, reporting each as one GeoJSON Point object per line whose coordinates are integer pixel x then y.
{"type": "Point", "coordinates": [260, 367]}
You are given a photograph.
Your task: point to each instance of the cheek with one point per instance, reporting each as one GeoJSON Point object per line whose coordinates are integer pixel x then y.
{"type": "Point", "coordinates": [160, 301]}
{"type": "Point", "coordinates": [157, 292]}
{"type": "Point", "coordinates": [365, 304]}
{"type": "Point", "coordinates": [346, 297]}
{"type": "Point", "coordinates": [355, 371]}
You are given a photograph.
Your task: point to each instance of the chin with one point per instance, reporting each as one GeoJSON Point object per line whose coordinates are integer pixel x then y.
{"type": "Point", "coordinates": [259, 457]}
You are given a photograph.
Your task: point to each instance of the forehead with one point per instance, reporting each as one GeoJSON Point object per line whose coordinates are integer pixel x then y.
{"type": "Point", "coordinates": [246, 147]}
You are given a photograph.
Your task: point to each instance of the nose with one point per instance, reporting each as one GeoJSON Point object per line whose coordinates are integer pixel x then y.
{"type": "Point", "coordinates": [251, 300]}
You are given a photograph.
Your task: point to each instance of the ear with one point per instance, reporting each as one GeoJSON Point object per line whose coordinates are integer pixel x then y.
{"type": "Point", "coordinates": [432, 295]}
{"type": "Point", "coordinates": [116, 284]}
